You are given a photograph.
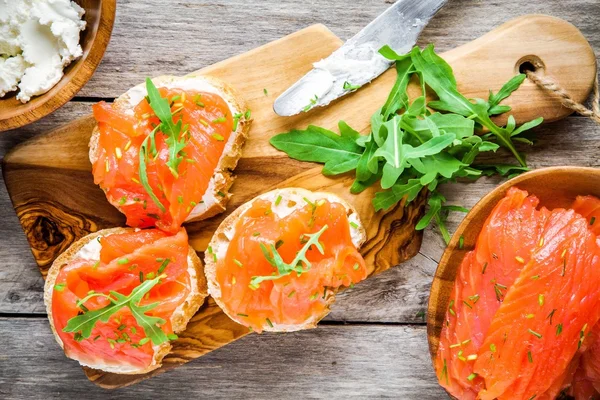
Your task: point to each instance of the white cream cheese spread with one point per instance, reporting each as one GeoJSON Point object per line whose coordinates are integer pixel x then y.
{"type": "Point", "coordinates": [38, 39]}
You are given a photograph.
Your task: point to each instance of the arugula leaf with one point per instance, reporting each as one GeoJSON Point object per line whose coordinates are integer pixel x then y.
{"type": "Point", "coordinates": [527, 126]}
{"type": "Point", "coordinates": [435, 206]}
{"type": "Point", "coordinates": [398, 97]}
{"type": "Point", "coordinates": [509, 87]}
{"type": "Point", "coordinates": [143, 174]}
{"type": "Point", "coordinates": [284, 269]}
{"type": "Point", "coordinates": [339, 153]}
{"type": "Point", "coordinates": [385, 200]}
{"type": "Point", "coordinates": [438, 75]}
{"type": "Point", "coordinates": [85, 323]}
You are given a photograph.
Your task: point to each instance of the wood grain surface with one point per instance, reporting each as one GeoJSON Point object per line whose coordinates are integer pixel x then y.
{"type": "Point", "coordinates": [393, 297]}
{"type": "Point", "coordinates": [99, 17]}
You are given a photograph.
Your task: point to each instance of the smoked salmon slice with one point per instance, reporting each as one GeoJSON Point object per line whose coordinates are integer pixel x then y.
{"type": "Point", "coordinates": [505, 244]}
{"type": "Point", "coordinates": [546, 314]}
{"type": "Point", "coordinates": [176, 170]}
{"type": "Point", "coordinates": [589, 208]}
{"type": "Point", "coordinates": [88, 282]}
{"type": "Point", "coordinates": [315, 237]}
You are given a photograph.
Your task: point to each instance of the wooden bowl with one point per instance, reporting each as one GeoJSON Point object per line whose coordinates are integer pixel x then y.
{"type": "Point", "coordinates": [100, 16]}
{"type": "Point", "coordinates": [555, 187]}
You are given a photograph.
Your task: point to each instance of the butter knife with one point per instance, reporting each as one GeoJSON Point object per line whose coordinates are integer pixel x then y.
{"type": "Point", "coordinates": [358, 61]}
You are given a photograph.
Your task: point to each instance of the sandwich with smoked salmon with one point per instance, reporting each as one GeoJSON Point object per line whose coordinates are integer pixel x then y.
{"type": "Point", "coordinates": [164, 152]}
{"type": "Point", "coordinates": [118, 297]}
{"type": "Point", "coordinates": [277, 262]}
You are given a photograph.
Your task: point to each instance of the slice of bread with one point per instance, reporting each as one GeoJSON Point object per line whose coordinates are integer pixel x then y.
{"type": "Point", "coordinates": [216, 197]}
{"type": "Point", "coordinates": [179, 319]}
{"type": "Point", "coordinates": [291, 199]}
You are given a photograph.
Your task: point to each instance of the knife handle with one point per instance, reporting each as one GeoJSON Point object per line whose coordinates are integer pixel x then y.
{"type": "Point", "coordinates": [552, 46]}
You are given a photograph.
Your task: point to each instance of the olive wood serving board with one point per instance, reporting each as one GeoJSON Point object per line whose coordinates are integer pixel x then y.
{"type": "Point", "coordinates": [51, 186]}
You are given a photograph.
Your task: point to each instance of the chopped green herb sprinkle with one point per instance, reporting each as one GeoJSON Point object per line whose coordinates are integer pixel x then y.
{"type": "Point", "coordinates": [541, 300]}
{"type": "Point", "coordinates": [467, 304]}
{"type": "Point", "coordinates": [535, 277]}
{"type": "Point", "coordinates": [559, 329]}
{"type": "Point", "coordinates": [349, 86]}
{"type": "Point", "coordinates": [219, 193]}
{"type": "Point", "coordinates": [278, 200]}
{"type": "Point", "coordinates": [484, 268]}
{"type": "Point", "coordinates": [474, 298]}
{"type": "Point", "coordinates": [592, 220]}
{"type": "Point", "coordinates": [293, 292]}
{"type": "Point", "coordinates": [269, 322]}
{"type": "Point", "coordinates": [163, 266]}
{"type": "Point", "coordinates": [356, 266]}
{"type": "Point", "coordinates": [172, 336]}
{"type": "Point", "coordinates": [529, 316]}
{"type": "Point", "coordinates": [143, 341]}
{"type": "Point", "coordinates": [256, 234]}
{"type": "Point", "coordinates": [141, 276]}
{"type": "Point", "coordinates": [461, 242]}
{"type": "Point", "coordinates": [242, 315]}
{"type": "Point", "coordinates": [123, 261]}
{"type": "Point", "coordinates": [534, 333]}
{"type": "Point", "coordinates": [472, 376]}
{"type": "Point", "coordinates": [265, 92]}
{"type": "Point", "coordinates": [220, 138]}
{"type": "Point", "coordinates": [354, 224]}
{"type": "Point", "coordinates": [180, 199]}
{"type": "Point", "coordinates": [450, 307]}
{"type": "Point", "coordinates": [279, 243]}
{"type": "Point", "coordinates": [248, 114]}
{"type": "Point", "coordinates": [238, 263]}
{"type": "Point", "coordinates": [59, 287]}
{"type": "Point", "coordinates": [530, 357]}
{"type": "Point", "coordinates": [122, 200]}
{"type": "Point", "coordinates": [492, 347]}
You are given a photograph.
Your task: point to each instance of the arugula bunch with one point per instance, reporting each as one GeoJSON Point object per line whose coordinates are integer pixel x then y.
{"type": "Point", "coordinates": [284, 269]}
{"type": "Point", "coordinates": [416, 144]}
{"type": "Point", "coordinates": [83, 324]}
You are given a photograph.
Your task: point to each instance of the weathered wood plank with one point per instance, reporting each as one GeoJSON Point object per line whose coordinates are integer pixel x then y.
{"type": "Point", "coordinates": [328, 362]}
{"type": "Point", "coordinates": [198, 33]}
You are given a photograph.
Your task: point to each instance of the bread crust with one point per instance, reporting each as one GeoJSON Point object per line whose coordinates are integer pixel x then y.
{"type": "Point", "coordinates": [223, 175]}
{"type": "Point", "coordinates": [179, 319]}
{"type": "Point", "coordinates": [220, 239]}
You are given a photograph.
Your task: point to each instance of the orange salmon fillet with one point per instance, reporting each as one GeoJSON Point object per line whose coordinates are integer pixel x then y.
{"type": "Point", "coordinates": [546, 314]}
{"type": "Point", "coordinates": [505, 244]}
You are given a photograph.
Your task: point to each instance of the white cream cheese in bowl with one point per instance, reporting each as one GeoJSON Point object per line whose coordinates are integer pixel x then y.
{"type": "Point", "coordinates": [38, 39]}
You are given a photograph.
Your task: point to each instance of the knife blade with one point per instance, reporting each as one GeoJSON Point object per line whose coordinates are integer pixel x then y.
{"type": "Point", "coordinates": [358, 61]}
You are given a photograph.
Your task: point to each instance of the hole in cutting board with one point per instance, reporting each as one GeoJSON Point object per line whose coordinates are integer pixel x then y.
{"type": "Point", "coordinates": [529, 63]}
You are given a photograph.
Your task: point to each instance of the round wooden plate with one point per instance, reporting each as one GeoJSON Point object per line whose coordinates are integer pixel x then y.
{"type": "Point", "coordinates": [100, 16]}
{"type": "Point", "coordinates": [555, 187]}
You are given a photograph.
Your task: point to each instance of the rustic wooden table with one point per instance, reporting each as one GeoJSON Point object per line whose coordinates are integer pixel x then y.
{"type": "Point", "coordinates": [373, 344]}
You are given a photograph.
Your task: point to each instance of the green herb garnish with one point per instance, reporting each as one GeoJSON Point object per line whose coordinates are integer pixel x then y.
{"type": "Point", "coordinates": [83, 324]}
{"type": "Point", "coordinates": [349, 86]}
{"type": "Point", "coordinates": [409, 148]}
{"type": "Point", "coordinates": [175, 140]}
{"type": "Point", "coordinates": [284, 269]}
{"type": "Point", "coordinates": [59, 287]}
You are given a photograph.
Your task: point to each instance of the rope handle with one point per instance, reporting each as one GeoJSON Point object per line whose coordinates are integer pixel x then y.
{"type": "Point", "coordinates": [551, 87]}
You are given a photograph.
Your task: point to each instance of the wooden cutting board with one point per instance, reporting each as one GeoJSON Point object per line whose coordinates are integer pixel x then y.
{"type": "Point", "coordinates": [50, 183]}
